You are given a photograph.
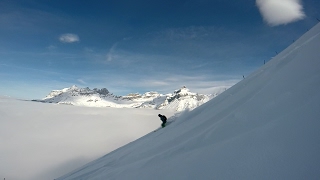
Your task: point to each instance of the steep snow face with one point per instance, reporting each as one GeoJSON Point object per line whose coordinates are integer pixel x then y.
{"type": "Point", "coordinates": [180, 100]}
{"type": "Point", "coordinates": [264, 127]}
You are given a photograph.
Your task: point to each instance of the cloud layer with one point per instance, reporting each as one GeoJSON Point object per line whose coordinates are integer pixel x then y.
{"type": "Point", "coordinates": [52, 137]}
{"type": "Point", "coordinates": [277, 12]}
{"type": "Point", "coordinates": [69, 38]}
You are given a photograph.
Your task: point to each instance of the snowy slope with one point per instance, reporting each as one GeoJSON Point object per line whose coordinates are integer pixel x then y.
{"type": "Point", "coordinates": [180, 100]}
{"type": "Point", "coordinates": [264, 127]}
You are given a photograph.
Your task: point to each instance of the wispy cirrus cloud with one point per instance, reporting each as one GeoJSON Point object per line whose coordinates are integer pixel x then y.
{"type": "Point", "coordinates": [201, 83]}
{"type": "Point", "coordinates": [81, 81]}
{"type": "Point", "coordinates": [277, 12]}
{"type": "Point", "coordinates": [111, 55]}
{"type": "Point", "coordinates": [167, 83]}
{"type": "Point", "coordinates": [69, 38]}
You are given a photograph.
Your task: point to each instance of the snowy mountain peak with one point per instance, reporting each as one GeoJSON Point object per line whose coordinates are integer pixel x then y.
{"type": "Point", "coordinates": [183, 99]}
{"type": "Point", "coordinates": [76, 91]}
{"type": "Point", "coordinates": [74, 87]}
{"type": "Point", "coordinates": [182, 91]}
{"type": "Point", "coordinates": [147, 95]}
{"type": "Point", "coordinates": [180, 100]}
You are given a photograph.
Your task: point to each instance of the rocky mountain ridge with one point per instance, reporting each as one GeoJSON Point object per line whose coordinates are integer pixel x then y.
{"type": "Point", "coordinates": [180, 100]}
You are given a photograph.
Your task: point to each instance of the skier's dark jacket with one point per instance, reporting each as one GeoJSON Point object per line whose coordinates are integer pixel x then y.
{"type": "Point", "coordinates": [163, 118]}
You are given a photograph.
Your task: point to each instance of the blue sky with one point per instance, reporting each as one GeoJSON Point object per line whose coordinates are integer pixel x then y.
{"type": "Point", "coordinates": [140, 45]}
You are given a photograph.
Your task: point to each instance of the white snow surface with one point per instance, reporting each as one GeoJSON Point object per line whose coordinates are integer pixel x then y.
{"type": "Point", "coordinates": [182, 99]}
{"type": "Point", "coordinates": [264, 127]}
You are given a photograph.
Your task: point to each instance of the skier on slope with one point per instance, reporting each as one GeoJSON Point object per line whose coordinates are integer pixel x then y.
{"type": "Point", "coordinates": [163, 119]}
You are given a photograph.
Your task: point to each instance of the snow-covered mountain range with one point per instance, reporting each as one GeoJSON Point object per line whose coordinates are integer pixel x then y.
{"type": "Point", "coordinates": [179, 100]}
